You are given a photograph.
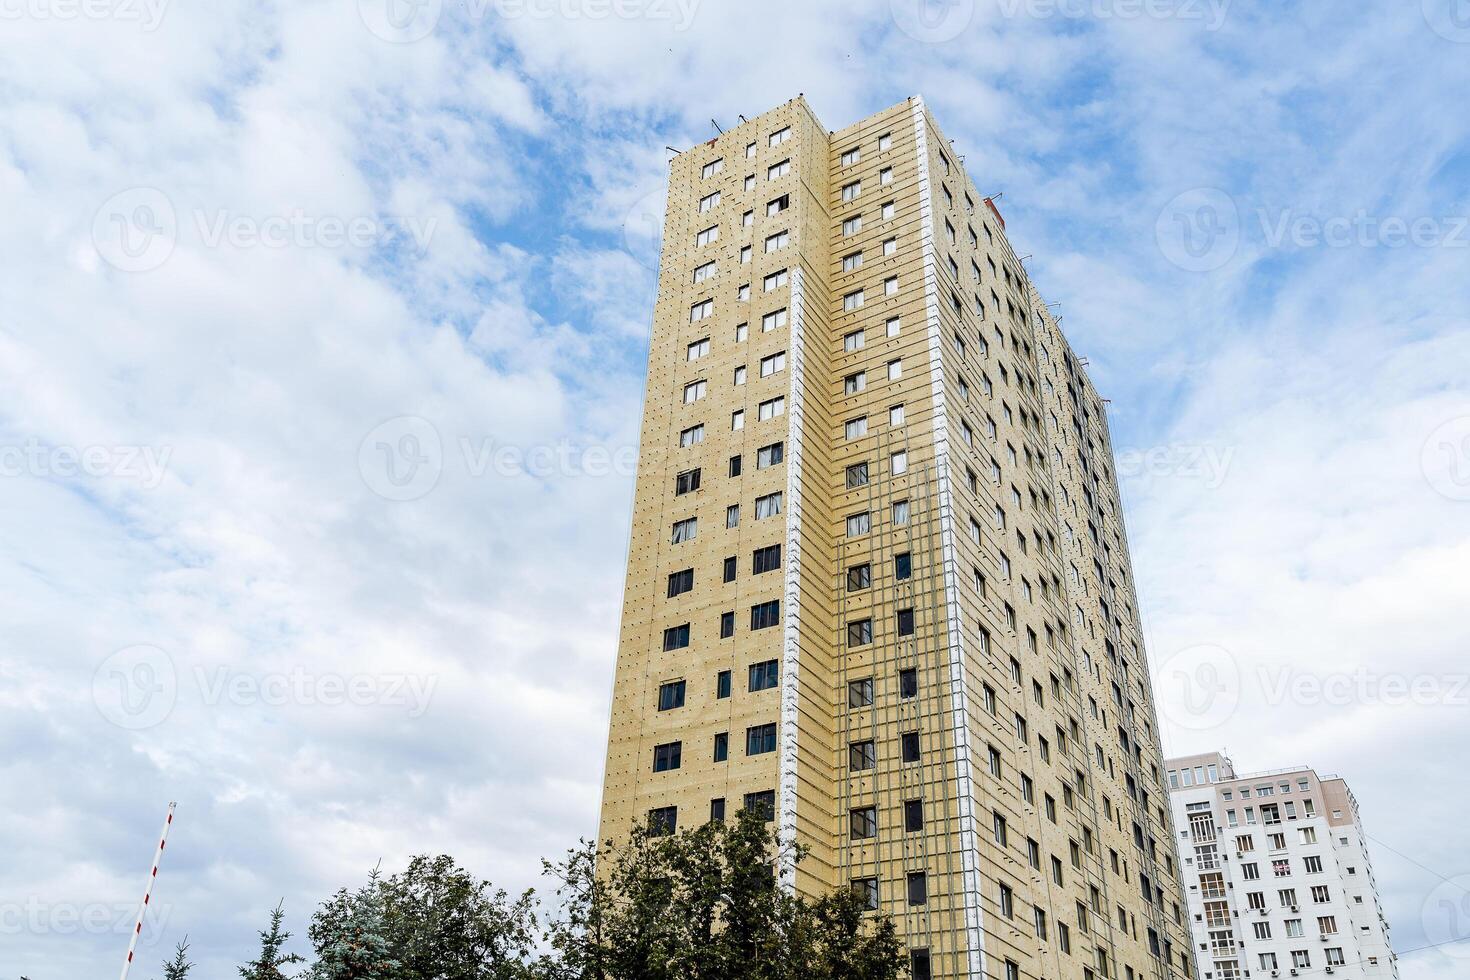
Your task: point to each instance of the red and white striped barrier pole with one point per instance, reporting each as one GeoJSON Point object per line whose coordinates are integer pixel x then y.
{"type": "Point", "coordinates": [148, 892]}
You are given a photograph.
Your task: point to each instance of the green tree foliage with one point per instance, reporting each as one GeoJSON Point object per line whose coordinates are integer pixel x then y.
{"type": "Point", "coordinates": [178, 968]}
{"type": "Point", "coordinates": [703, 904]}
{"type": "Point", "coordinates": [267, 966]}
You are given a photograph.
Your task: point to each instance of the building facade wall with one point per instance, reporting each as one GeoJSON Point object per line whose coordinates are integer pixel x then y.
{"type": "Point", "coordinates": [958, 642]}
{"type": "Point", "coordinates": [1277, 873]}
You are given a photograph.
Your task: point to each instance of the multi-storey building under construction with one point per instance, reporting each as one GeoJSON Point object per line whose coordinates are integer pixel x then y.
{"type": "Point", "coordinates": [878, 582]}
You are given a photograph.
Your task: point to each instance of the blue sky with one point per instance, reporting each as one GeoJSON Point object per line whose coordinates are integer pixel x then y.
{"type": "Point", "coordinates": [259, 259]}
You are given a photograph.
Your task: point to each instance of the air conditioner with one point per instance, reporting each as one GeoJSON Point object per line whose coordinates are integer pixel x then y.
{"type": "Point", "coordinates": [1324, 938]}
{"type": "Point", "coordinates": [1263, 912]}
{"type": "Point", "coordinates": [1293, 972]}
{"type": "Point", "coordinates": [1295, 909]}
{"type": "Point", "coordinates": [1329, 969]}
{"type": "Point", "coordinates": [1275, 973]}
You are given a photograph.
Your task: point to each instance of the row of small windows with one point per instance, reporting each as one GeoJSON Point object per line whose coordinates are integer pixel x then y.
{"type": "Point", "coordinates": [763, 615]}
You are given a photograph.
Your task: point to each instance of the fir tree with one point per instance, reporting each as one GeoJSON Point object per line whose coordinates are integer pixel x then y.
{"type": "Point", "coordinates": [268, 965]}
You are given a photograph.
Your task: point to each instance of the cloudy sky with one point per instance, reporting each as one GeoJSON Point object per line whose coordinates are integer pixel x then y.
{"type": "Point", "coordinates": [322, 331]}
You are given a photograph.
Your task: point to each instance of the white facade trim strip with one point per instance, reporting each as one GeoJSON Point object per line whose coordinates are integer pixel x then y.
{"type": "Point", "coordinates": [791, 650]}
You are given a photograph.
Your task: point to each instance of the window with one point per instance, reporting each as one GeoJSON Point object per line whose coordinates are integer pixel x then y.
{"type": "Point", "coordinates": [919, 968]}
{"type": "Point", "coordinates": [851, 191]}
{"type": "Point", "coordinates": [773, 363]}
{"type": "Point", "coordinates": [778, 170]}
{"type": "Point", "coordinates": [760, 739]}
{"type": "Point", "coordinates": [852, 261]}
{"type": "Point", "coordinates": [857, 524]}
{"type": "Point", "coordinates": [762, 805]}
{"type": "Point", "coordinates": [854, 383]}
{"type": "Point", "coordinates": [780, 136]}
{"type": "Point", "coordinates": [890, 286]}
{"type": "Point", "coordinates": [730, 569]}
{"type": "Point", "coordinates": [774, 281]}
{"type": "Point", "coordinates": [681, 582]}
{"type": "Point", "coordinates": [910, 743]}
{"type": "Point", "coordinates": [666, 757]}
{"type": "Point", "coordinates": [694, 391]}
{"type": "Point", "coordinates": [769, 455]}
{"type": "Point", "coordinates": [710, 234]}
{"type": "Point", "coordinates": [713, 167]}
{"type": "Point", "coordinates": [739, 378]}
{"type": "Point", "coordinates": [908, 680]}
{"type": "Point", "coordinates": [903, 567]}
{"type": "Point", "coordinates": [701, 310]}
{"type": "Point", "coordinates": [895, 415]}
{"type": "Point", "coordinates": [722, 685]}
{"type": "Point", "coordinates": [698, 349]}
{"type": "Point", "coordinates": [852, 301]}
{"type": "Point", "coordinates": [745, 255]}
{"type": "Point", "coordinates": [859, 632]}
{"type": "Point", "coordinates": [852, 225]}
{"type": "Point", "coordinates": [853, 341]}
{"type": "Point", "coordinates": [862, 822]}
{"type": "Point", "coordinates": [676, 637]}
{"type": "Point", "coordinates": [861, 756]}
{"type": "Point", "coordinates": [771, 408]}
{"type": "Point", "coordinates": [913, 816]}
{"type": "Point", "coordinates": [860, 693]}
{"type": "Point", "coordinates": [895, 369]}
{"type": "Point", "coordinates": [717, 808]}
{"type": "Point", "coordinates": [773, 320]}
{"type": "Point", "coordinates": [767, 559]}
{"type": "Point", "coordinates": [918, 888]}
{"type": "Point", "coordinates": [737, 422]}
{"type": "Point", "coordinates": [732, 513]}
{"type": "Point", "coordinates": [776, 206]}
{"type": "Point", "coordinates": [857, 475]}
{"type": "Point", "coordinates": [905, 622]}
{"type": "Point", "coordinates": [777, 241]}
{"type": "Point", "coordinates": [750, 151]}
{"type": "Point", "coordinates": [890, 247]}
{"type": "Point", "coordinates": [686, 482]}
{"type": "Point", "coordinates": [898, 463]}
{"type": "Point", "coordinates": [856, 428]}
{"type": "Point", "coordinates": [866, 890]}
{"type": "Point", "coordinates": [765, 615]}
{"type": "Point", "coordinates": [885, 142]}
{"type": "Point", "coordinates": [887, 211]}
{"type": "Point", "coordinates": [663, 820]}
{"type": "Point", "coordinates": [684, 530]}
{"type": "Point", "coordinates": [885, 176]}
{"type": "Point", "coordinates": [849, 157]}
{"type": "Point", "coordinates": [764, 676]}
{"type": "Point", "coordinates": [671, 695]}
{"type": "Point", "coordinates": [708, 202]}
{"type": "Point", "coordinates": [767, 506]}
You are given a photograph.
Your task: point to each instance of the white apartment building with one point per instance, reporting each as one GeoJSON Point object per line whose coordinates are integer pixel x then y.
{"type": "Point", "coordinates": [1276, 874]}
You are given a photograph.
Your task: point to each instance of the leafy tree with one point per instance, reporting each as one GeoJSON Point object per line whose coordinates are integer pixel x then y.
{"type": "Point", "coordinates": [178, 968]}
{"type": "Point", "coordinates": [707, 904]}
{"type": "Point", "coordinates": [267, 966]}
